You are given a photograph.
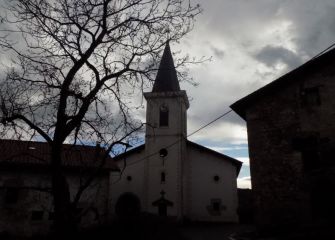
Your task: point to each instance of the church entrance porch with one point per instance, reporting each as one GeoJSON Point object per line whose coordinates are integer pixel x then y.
{"type": "Point", "coordinates": [162, 205]}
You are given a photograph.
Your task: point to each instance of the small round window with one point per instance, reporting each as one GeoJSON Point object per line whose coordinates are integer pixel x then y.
{"type": "Point", "coordinates": [163, 152]}
{"type": "Point", "coordinates": [129, 178]}
{"type": "Point", "coordinates": [216, 178]}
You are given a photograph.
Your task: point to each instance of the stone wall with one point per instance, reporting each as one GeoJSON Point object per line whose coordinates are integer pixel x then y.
{"type": "Point", "coordinates": [291, 134]}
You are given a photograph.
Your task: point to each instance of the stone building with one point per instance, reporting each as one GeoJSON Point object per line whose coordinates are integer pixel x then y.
{"type": "Point", "coordinates": [26, 207]}
{"type": "Point", "coordinates": [291, 134]}
{"type": "Point", "coordinates": [170, 175]}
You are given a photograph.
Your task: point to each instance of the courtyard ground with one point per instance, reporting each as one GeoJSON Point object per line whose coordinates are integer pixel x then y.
{"type": "Point", "coordinates": [203, 231]}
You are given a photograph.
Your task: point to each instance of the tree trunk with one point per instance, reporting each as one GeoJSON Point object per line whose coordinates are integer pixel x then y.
{"type": "Point", "coordinates": [64, 223]}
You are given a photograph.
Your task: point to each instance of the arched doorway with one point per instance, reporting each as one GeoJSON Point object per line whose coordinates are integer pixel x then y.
{"type": "Point", "coordinates": [128, 205]}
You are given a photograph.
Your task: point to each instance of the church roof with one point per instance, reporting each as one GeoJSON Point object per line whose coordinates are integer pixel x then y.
{"type": "Point", "coordinates": [166, 79]}
{"type": "Point", "coordinates": [140, 148]}
{"type": "Point", "coordinates": [235, 162]}
{"type": "Point", "coordinates": [136, 149]}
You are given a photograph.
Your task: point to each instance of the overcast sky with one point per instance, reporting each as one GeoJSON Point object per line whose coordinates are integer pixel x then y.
{"type": "Point", "coordinates": [252, 42]}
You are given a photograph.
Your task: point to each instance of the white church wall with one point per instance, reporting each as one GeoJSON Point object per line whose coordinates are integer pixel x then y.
{"type": "Point", "coordinates": [171, 168]}
{"type": "Point", "coordinates": [130, 179]}
{"type": "Point", "coordinates": [159, 137]}
{"type": "Point", "coordinates": [205, 192]}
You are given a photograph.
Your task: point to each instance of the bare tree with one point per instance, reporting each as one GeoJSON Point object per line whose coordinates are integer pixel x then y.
{"type": "Point", "coordinates": [74, 65]}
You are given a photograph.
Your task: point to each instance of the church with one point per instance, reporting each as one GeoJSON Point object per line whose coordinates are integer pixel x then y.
{"type": "Point", "coordinates": [170, 175]}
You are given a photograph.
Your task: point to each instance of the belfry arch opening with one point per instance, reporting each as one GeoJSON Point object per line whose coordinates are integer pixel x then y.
{"type": "Point", "coordinates": [163, 116]}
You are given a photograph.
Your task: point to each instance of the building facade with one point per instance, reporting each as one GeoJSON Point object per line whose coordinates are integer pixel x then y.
{"type": "Point", "coordinates": [26, 202]}
{"type": "Point", "coordinates": [170, 175]}
{"type": "Point", "coordinates": [167, 176]}
{"type": "Point", "coordinates": [291, 135]}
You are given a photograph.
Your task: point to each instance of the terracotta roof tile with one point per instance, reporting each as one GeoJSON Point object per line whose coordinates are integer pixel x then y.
{"type": "Point", "coordinates": [14, 152]}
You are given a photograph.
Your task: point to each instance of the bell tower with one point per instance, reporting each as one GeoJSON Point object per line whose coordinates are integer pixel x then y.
{"type": "Point", "coordinates": [165, 140]}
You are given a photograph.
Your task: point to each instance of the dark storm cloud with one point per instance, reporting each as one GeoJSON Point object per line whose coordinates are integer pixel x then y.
{"type": "Point", "coordinates": [217, 52]}
{"type": "Point", "coordinates": [272, 55]}
{"type": "Point", "coordinates": [233, 18]}
{"type": "Point", "coordinates": [214, 112]}
{"type": "Point", "coordinates": [313, 24]}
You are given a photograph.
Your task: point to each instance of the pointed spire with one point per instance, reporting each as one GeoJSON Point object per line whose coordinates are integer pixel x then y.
{"type": "Point", "coordinates": [166, 79]}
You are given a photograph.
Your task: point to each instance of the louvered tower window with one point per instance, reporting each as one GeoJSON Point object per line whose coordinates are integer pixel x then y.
{"type": "Point", "coordinates": [164, 116]}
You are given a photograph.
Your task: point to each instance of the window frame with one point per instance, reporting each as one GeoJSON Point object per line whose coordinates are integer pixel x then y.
{"type": "Point", "coordinates": [310, 96]}
{"type": "Point", "coordinates": [36, 215]}
{"type": "Point", "coordinates": [163, 177]}
{"type": "Point", "coordinates": [12, 195]}
{"type": "Point", "coordinates": [164, 116]}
